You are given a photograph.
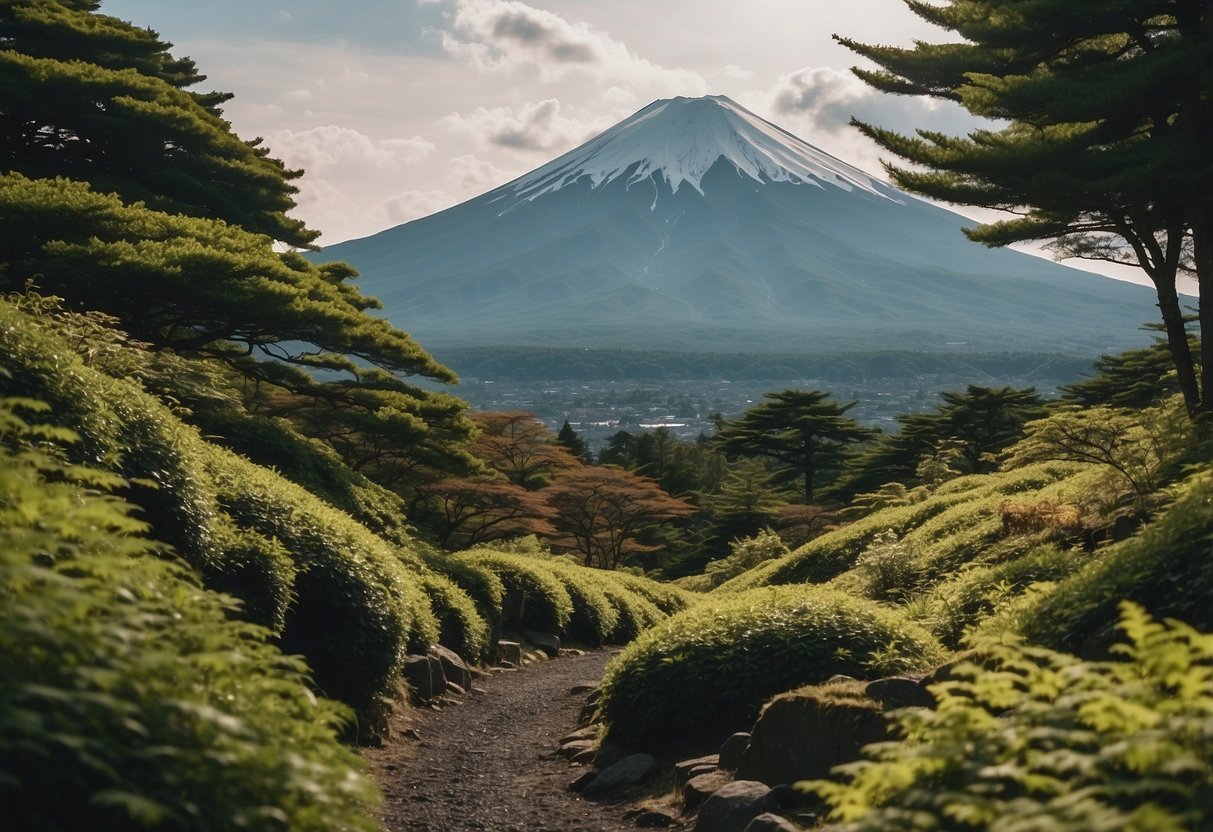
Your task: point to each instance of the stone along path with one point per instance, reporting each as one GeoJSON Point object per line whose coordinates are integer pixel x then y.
{"type": "Point", "coordinates": [488, 764]}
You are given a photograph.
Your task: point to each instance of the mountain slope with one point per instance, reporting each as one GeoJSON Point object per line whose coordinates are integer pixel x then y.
{"type": "Point", "coordinates": [696, 225]}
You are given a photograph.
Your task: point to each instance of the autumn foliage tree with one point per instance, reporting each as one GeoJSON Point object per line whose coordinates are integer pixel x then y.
{"type": "Point", "coordinates": [464, 512]}
{"type": "Point", "coordinates": [520, 447]}
{"type": "Point", "coordinates": [601, 513]}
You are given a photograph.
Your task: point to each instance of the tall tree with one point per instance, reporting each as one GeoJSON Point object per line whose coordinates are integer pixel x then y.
{"type": "Point", "coordinates": [747, 502]}
{"type": "Point", "coordinates": [95, 99]}
{"type": "Point", "coordinates": [464, 512]}
{"type": "Point", "coordinates": [1106, 150]}
{"type": "Point", "coordinates": [573, 442]}
{"type": "Point", "coordinates": [602, 512]}
{"type": "Point", "coordinates": [806, 432]}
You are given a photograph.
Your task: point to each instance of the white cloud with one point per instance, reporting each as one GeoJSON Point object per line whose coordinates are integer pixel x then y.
{"type": "Point", "coordinates": [736, 73]}
{"type": "Point", "coordinates": [409, 205]}
{"type": "Point", "coordinates": [538, 126]}
{"type": "Point", "coordinates": [472, 176]}
{"type": "Point", "coordinates": [319, 149]}
{"type": "Point", "coordinates": [500, 35]}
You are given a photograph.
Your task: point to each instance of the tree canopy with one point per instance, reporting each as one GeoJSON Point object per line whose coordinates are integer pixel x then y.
{"type": "Point", "coordinates": [1107, 112]}
{"type": "Point", "coordinates": [806, 432]}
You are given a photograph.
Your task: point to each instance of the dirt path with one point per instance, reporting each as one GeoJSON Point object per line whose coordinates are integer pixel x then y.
{"type": "Point", "coordinates": [487, 764]}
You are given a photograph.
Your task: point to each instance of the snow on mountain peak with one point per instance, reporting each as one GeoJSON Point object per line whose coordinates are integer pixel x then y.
{"type": "Point", "coordinates": [680, 139]}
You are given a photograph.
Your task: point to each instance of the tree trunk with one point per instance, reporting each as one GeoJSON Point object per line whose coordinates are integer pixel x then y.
{"type": "Point", "coordinates": [1177, 340]}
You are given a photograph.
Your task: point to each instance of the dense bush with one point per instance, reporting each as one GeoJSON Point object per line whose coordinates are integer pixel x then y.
{"type": "Point", "coordinates": [1168, 568]}
{"type": "Point", "coordinates": [594, 618]}
{"type": "Point", "coordinates": [129, 697]}
{"type": "Point", "coordinates": [715, 664]}
{"type": "Point", "coordinates": [460, 626]}
{"type": "Point", "coordinates": [1041, 740]}
{"type": "Point", "coordinates": [534, 597]}
{"type": "Point", "coordinates": [946, 530]}
{"type": "Point", "coordinates": [635, 613]}
{"type": "Point", "coordinates": [480, 583]}
{"type": "Point", "coordinates": [666, 597]}
{"type": "Point", "coordinates": [952, 607]}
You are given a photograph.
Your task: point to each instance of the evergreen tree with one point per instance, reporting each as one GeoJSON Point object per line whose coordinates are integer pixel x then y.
{"type": "Point", "coordinates": [574, 443]}
{"type": "Point", "coordinates": [1106, 150]}
{"type": "Point", "coordinates": [805, 432]}
{"type": "Point", "coordinates": [748, 501]}
{"type": "Point", "coordinates": [95, 99]}
{"type": "Point", "coordinates": [1134, 378]}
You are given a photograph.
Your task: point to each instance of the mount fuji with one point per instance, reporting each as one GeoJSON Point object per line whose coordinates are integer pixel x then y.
{"type": "Point", "coordinates": [695, 225]}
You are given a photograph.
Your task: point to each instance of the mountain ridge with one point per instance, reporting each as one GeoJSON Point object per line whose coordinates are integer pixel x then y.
{"type": "Point", "coordinates": [632, 242]}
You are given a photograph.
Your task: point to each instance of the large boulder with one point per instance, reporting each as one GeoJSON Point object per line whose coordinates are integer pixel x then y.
{"type": "Point", "coordinates": [734, 805]}
{"type": "Point", "coordinates": [803, 734]}
{"type": "Point", "coordinates": [453, 667]}
{"type": "Point", "coordinates": [546, 642]}
{"type": "Point", "coordinates": [424, 675]}
{"type": "Point", "coordinates": [733, 749]}
{"type": "Point", "coordinates": [633, 769]}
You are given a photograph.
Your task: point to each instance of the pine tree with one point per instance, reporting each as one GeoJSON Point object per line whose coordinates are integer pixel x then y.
{"type": "Point", "coordinates": [806, 432]}
{"type": "Point", "coordinates": [1106, 148]}
{"type": "Point", "coordinates": [574, 443]}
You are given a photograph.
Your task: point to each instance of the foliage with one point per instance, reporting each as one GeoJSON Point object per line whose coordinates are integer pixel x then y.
{"type": "Point", "coordinates": [461, 627]}
{"type": "Point", "coordinates": [595, 616]}
{"type": "Point", "coordinates": [1102, 144]}
{"type": "Point", "coordinates": [949, 528]}
{"type": "Point", "coordinates": [744, 554]}
{"type": "Point", "coordinates": [520, 447]}
{"type": "Point", "coordinates": [887, 566]}
{"type": "Point", "coordinates": [131, 697]}
{"type": "Point", "coordinates": [1165, 568]}
{"type": "Point", "coordinates": [962, 435]}
{"type": "Point", "coordinates": [979, 590]}
{"type": "Point", "coordinates": [713, 665]}
{"type": "Point", "coordinates": [668, 599]}
{"type": "Point", "coordinates": [601, 513]}
{"type": "Point", "coordinates": [805, 432]}
{"type": "Point", "coordinates": [747, 501]}
{"type": "Point", "coordinates": [1133, 378]}
{"type": "Point", "coordinates": [534, 597]}
{"type": "Point", "coordinates": [95, 99]}
{"type": "Point", "coordinates": [460, 513]}
{"type": "Point", "coordinates": [1042, 740]}
{"type": "Point", "coordinates": [1136, 444]}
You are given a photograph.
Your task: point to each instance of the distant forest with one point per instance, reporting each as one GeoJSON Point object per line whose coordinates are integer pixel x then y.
{"type": "Point", "coordinates": [538, 364]}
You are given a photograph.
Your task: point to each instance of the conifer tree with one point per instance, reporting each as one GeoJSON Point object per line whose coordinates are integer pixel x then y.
{"type": "Point", "coordinates": [1106, 150]}
{"type": "Point", "coordinates": [806, 432]}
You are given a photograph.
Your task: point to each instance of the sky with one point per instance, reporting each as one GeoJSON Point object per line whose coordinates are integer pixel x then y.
{"type": "Point", "coordinates": [399, 108]}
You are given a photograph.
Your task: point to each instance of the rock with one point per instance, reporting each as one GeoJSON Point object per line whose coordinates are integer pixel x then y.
{"type": "Point", "coordinates": [652, 819]}
{"type": "Point", "coordinates": [698, 789]}
{"type": "Point", "coordinates": [632, 769]}
{"type": "Point", "coordinates": [683, 768]}
{"type": "Point", "coordinates": [453, 667]}
{"type": "Point", "coordinates": [734, 805]}
{"type": "Point", "coordinates": [425, 677]}
{"type": "Point", "coordinates": [510, 651]}
{"type": "Point", "coordinates": [803, 734]}
{"type": "Point", "coordinates": [771, 822]}
{"type": "Point", "coordinates": [587, 733]}
{"type": "Point", "coordinates": [733, 749]}
{"type": "Point", "coordinates": [899, 692]}
{"type": "Point", "coordinates": [611, 752]}
{"type": "Point", "coordinates": [574, 747]}
{"type": "Point", "coordinates": [584, 757]}
{"type": "Point", "coordinates": [479, 689]}
{"type": "Point", "coordinates": [590, 714]}
{"type": "Point", "coordinates": [583, 780]}
{"type": "Point", "coordinates": [583, 687]}
{"type": "Point", "coordinates": [839, 678]}
{"type": "Point", "coordinates": [454, 689]}
{"type": "Point", "coordinates": [546, 642]}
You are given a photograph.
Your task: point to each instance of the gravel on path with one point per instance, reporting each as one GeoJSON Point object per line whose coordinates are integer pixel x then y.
{"type": "Point", "coordinates": [488, 764]}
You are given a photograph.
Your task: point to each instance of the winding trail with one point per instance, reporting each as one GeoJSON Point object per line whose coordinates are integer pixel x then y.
{"type": "Point", "coordinates": [488, 764]}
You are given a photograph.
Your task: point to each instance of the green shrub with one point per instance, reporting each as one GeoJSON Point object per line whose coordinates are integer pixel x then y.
{"type": "Point", "coordinates": [460, 627]}
{"type": "Point", "coordinates": [744, 554]}
{"type": "Point", "coordinates": [666, 597]}
{"type": "Point", "coordinates": [634, 612]}
{"type": "Point", "coordinates": [481, 584]}
{"type": "Point", "coordinates": [715, 664]}
{"type": "Point", "coordinates": [952, 607]}
{"type": "Point", "coordinates": [1167, 568]}
{"type": "Point", "coordinates": [594, 618]}
{"type": "Point", "coordinates": [358, 601]}
{"type": "Point", "coordinates": [1042, 740]}
{"type": "Point", "coordinates": [311, 464]}
{"type": "Point", "coordinates": [948, 529]}
{"type": "Point", "coordinates": [256, 569]}
{"type": "Point", "coordinates": [129, 697]}
{"type": "Point", "coordinates": [534, 597]}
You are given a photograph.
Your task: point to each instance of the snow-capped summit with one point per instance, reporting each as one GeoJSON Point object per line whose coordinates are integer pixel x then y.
{"type": "Point", "coordinates": [679, 140]}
